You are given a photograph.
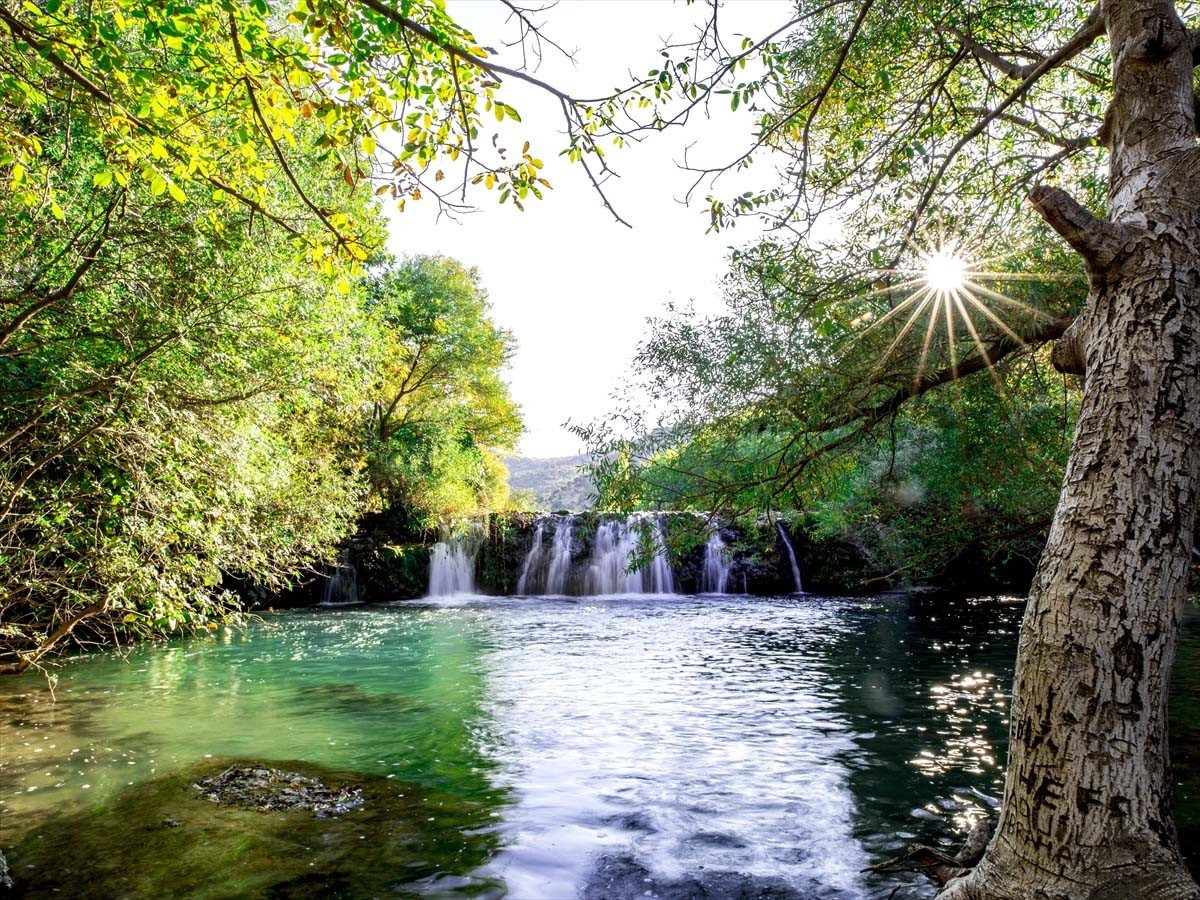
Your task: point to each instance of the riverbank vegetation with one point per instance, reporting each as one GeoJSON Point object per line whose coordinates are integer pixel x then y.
{"type": "Point", "coordinates": [806, 399]}
{"type": "Point", "coordinates": [210, 368]}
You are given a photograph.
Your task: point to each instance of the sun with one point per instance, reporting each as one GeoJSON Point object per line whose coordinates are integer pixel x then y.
{"type": "Point", "coordinates": [945, 271]}
{"type": "Point", "coordinates": [947, 294]}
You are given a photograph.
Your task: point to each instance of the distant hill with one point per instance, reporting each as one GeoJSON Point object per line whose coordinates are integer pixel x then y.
{"type": "Point", "coordinates": [554, 483]}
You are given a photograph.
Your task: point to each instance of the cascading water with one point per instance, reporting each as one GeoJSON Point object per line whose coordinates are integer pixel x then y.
{"type": "Point", "coordinates": [616, 544]}
{"type": "Point", "coordinates": [452, 564]}
{"type": "Point", "coordinates": [560, 557]}
{"type": "Point", "coordinates": [556, 572]}
{"type": "Point", "coordinates": [714, 579]}
{"type": "Point", "coordinates": [791, 558]}
{"type": "Point", "coordinates": [342, 585]}
{"type": "Point", "coordinates": [533, 562]}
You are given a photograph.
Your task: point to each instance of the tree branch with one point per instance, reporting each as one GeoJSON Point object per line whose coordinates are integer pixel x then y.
{"type": "Point", "coordinates": [1050, 137]}
{"type": "Point", "coordinates": [1080, 41]}
{"type": "Point", "coordinates": [377, 6]}
{"type": "Point", "coordinates": [1091, 29]}
{"type": "Point", "coordinates": [989, 356]}
{"type": "Point", "coordinates": [26, 660]}
{"type": "Point", "coordinates": [1015, 71]}
{"type": "Point", "coordinates": [1097, 241]}
{"type": "Point", "coordinates": [89, 259]}
{"type": "Point", "coordinates": [283, 163]}
{"type": "Point", "coordinates": [20, 31]}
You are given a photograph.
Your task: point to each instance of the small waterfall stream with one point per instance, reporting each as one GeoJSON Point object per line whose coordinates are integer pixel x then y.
{"type": "Point", "coordinates": [452, 564]}
{"type": "Point", "coordinates": [560, 557]}
{"type": "Point", "coordinates": [616, 545]}
{"type": "Point", "coordinates": [533, 561]}
{"type": "Point", "coordinates": [791, 558]}
{"type": "Point", "coordinates": [342, 585]}
{"type": "Point", "coordinates": [714, 579]}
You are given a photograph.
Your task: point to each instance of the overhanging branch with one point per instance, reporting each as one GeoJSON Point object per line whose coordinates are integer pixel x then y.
{"type": "Point", "coordinates": [1097, 241]}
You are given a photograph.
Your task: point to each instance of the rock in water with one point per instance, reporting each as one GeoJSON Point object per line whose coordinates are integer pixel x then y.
{"type": "Point", "coordinates": [6, 882]}
{"type": "Point", "coordinates": [257, 787]}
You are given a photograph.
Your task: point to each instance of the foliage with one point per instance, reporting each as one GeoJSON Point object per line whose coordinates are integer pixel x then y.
{"type": "Point", "coordinates": [206, 100]}
{"type": "Point", "coordinates": [440, 411]}
{"type": "Point", "coordinates": [189, 340]}
{"type": "Point", "coordinates": [176, 396]}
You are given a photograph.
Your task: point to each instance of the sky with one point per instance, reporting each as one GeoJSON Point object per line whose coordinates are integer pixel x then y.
{"type": "Point", "coordinates": [573, 285]}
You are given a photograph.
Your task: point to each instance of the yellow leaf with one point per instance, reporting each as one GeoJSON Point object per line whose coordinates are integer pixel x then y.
{"type": "Point", "coordinates": [368, 145]}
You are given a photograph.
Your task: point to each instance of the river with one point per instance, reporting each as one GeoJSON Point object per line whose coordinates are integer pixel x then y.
{"type": "Point", "coordinates": [616, 747]}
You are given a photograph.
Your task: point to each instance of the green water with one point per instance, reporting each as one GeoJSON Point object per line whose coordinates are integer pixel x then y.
{"type": "Point", "coordinates": [529, 748]}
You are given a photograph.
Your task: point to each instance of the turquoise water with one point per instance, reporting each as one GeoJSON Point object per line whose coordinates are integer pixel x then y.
{"type": "Point", "coordinates": [550, 748]}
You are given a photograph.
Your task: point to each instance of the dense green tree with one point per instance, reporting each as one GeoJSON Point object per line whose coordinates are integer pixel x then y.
{"type": "Point", "coordinates": [185, 355]}
{"type": "Point", "coordinates": [440, 411]}
{"type": "Point", "coordinates": [177, 401]}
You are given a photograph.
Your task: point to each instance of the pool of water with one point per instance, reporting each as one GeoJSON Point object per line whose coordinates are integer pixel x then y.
{"type": "Point", "coordinates": [534, 748]}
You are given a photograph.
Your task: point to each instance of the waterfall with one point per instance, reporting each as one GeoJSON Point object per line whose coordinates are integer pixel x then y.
{"type": "Point", "coordinates": [533, 561]}
{"type": "Point", "coordinates": [714, 579]}
{"type": "Point", "coordinates": [549, 571]}
{"type": "Point", "coordinates": [452, 564]}
{"type": "Point", "coordinates": [616, 543]}
{"type": "Point", "coordinates": [342, 584]}
{"type": "Point", "coordinates": [560, 557]}
{"type": "Point", "coordinates": [792, 558]}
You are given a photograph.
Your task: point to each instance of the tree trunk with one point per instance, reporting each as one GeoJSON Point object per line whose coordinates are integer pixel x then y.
{"type": "Point", "coordinates": [1087, 811]}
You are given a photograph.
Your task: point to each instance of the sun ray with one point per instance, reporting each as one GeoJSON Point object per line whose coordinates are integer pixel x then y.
{"type": "Point", "coordinates": [999, 323]}
{"type": "Point", "coordinates": [950, 332]}
{"type": "Point", "coordinates": [891, 314]}
{"type": "Point", "coordinates": [929, 331]}
{"type": "Point", "coordinates": [982, 348]}
{"type": "Point", "coordinates": [925, 295]}
{"type": "Point", "coordinates": [1001, 298]}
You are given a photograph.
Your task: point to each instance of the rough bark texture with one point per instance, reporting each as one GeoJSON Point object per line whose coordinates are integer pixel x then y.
{"type": "Point", "coordinates": [1087, 808]}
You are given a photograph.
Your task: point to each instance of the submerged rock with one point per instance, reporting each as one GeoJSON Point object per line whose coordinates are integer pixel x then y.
{"type": "Point", "coordinates": [168, 837]}
{"type": "Point", "coordinates": [257, 787]}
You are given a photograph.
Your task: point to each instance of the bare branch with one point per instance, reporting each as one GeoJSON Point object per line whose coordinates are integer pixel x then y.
{"type": "Point", "coordinates": [1097, 241]}
{"type": "Point", "coordinates": [381, 8]}
{"type": "Point", "coordinates": [1068, 354]}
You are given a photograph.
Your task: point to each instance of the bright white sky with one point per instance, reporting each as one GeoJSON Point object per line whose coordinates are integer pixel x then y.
{"type": "Point", "coordinates": [574, 286]}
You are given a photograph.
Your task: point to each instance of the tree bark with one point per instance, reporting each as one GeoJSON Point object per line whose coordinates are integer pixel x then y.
{"type": "Point", "coordinates": [1087, 811]}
